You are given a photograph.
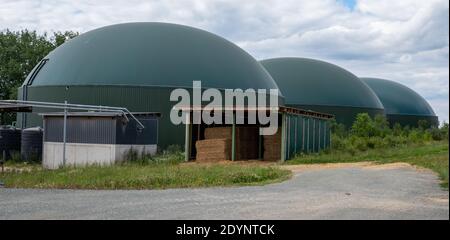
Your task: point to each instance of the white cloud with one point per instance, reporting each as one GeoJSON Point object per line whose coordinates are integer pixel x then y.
{"type": "Point", "coordinates": [406, 41]}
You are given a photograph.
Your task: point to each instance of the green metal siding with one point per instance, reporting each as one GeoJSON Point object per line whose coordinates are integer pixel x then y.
{"type": "Point", "coordinates": [303, 135]}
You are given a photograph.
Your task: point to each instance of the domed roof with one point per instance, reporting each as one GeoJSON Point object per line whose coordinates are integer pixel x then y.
{"type": "Point", "coordinates": [312, 82]}
{"type": "Point", "coordinates": [399, 99]}
{"type": "Point", "coordinates": [152, 54]}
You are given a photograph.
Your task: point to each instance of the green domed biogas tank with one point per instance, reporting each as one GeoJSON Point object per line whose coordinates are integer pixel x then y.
{"type": "Point", "coordinates": [324, 87]}
{"type": "Point", "coordinates": [137, 65]}
{"type": "Point", "coordinates": [402, 104]}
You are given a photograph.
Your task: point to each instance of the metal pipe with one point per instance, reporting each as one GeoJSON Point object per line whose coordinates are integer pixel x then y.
{"type": "Point", "coordinates": [123, 111]}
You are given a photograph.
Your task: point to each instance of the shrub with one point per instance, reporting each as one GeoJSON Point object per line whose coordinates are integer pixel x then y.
{"type": "Point", "coordinates": [338, 129]}
{"type": "Point", "coordinates": [131, 155]}
{"type": "Point", "coordinates": [397, 130]}
{"type": "Point", "coordinates": [439, 134]}
{"type": "Point", "coordinates": [381, 126]}
{"type": "Point", "coordinates": [444, 131]}
{"type": "Point", "coordinates": [366, 133]}
{"type": "Point", "coordinates": [363, 126]}
{"type": "Point", "coordinates": [338, 143]}
{"type": "Point", "coordinates": [171, 149]}
{"type": "Point", "coordinates": [376, 142]}
{"type": "Point", "coordinates": [423, 124]}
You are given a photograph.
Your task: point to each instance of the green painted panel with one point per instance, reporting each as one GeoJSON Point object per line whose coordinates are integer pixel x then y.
{"type": "Point", "coordinates": [311, 135]}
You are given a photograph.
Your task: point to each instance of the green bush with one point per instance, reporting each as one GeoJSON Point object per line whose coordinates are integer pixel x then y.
{"type": "Point", "coordinates": [397, 130]}
{"type": "Point", "coordinates": [171, 149]}
{"type": "Point", "coordinates": [338, 129]}
{"type": "Point", "coordinates": [363, 126]}
{"type": "Point", "coordinates": [439, 134]}
{"type": "Point", "coordinates": [366, 134]}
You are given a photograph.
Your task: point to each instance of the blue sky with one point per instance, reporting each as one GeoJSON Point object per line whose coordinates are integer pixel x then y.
{"type": "Point", "coordinates": [404, 40]}
{"type": "Point", "coordinates": [349, 3]}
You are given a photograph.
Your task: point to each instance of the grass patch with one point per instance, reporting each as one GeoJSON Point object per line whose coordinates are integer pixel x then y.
{"type": "Point", "coordinates": [432, 155]}
{"type": "Point", "coordinates": [145, 176]}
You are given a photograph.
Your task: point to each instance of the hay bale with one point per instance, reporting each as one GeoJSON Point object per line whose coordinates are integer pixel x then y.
{"type": "Point", "coordinates": [272, 147]}
{"type": "Point", "coordinates": [213, 149]}
{"type": "Point", "coordinates": [218, 132]}
{"type": "Point", "coordinates": [246, 140]}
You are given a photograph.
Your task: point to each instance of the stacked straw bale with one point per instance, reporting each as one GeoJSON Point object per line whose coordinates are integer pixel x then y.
{"type": "Point", "coordinates": [272, 147]}
{"type": "Point", "coordinates": [217, 143]}
{"type": "Point", "coordinates": [213, 150]}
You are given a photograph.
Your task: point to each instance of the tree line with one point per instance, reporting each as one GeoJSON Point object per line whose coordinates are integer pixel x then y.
{"type": "Point", "coordinates": [20, 51]}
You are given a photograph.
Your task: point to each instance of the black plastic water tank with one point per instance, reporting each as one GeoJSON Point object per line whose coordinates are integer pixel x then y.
{"type": "Point", "coordinates": [31, 147]}
{"type": "Point", "coordinates": [9, 141]}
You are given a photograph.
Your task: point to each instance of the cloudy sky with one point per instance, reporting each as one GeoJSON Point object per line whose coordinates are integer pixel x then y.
{"type": "Point", "coordinates": [405, 41]}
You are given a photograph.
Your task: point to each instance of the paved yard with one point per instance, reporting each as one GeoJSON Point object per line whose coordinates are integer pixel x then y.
{"type": "Point", "coordinates": [340, 191]}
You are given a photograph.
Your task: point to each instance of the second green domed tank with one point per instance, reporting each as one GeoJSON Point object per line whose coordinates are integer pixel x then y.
{"type": "Point", "coordinates": [321, 86]}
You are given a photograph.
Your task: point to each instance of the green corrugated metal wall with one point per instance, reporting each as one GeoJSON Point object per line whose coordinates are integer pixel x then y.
{"type": "Point", "coordinates": [306, 134]}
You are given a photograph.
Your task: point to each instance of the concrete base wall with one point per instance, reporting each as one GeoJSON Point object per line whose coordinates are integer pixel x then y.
{"type": "Point", "coordinates": [79, 154]}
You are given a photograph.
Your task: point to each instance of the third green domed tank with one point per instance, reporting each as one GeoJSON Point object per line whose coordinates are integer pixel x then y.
{"type": "Point", "coordinates": [402, 104]}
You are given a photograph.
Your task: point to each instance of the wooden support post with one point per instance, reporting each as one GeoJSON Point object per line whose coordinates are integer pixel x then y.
{"type": "Point", "coordinates": [187, 139]}
{"type": "Point", "coordinates": [233, 139]}
{"type": "Point", "coordinates": [288, 135]}
{"type": "Point", "coordinates": [283, 137]}
{"type": "Point", "coordinates": [260, 146]}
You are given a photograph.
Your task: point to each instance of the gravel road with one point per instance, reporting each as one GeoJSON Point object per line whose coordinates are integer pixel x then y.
{"type": "Point", "coordinates": [349, 191]}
